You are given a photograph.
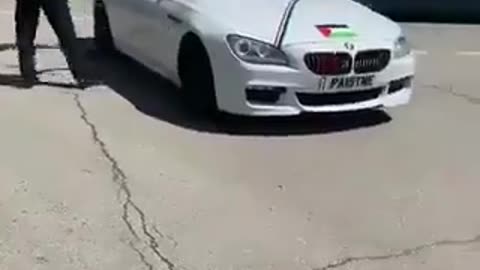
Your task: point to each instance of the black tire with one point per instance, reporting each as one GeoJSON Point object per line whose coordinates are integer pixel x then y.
{"type": "Point", "coordinates": [196, 75]}
{"type": "Point", "coordinates": [102, 31]}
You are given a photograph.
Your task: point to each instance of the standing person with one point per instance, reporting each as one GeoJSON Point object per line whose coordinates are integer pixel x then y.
{"type": "Point", "coordinates": [27, 15]}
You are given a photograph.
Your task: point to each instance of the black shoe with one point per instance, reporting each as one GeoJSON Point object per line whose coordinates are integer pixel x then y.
{"type": "Point", "coordinates": [28, 81]}
{"type": "Point", "coordinates": [27, 69]}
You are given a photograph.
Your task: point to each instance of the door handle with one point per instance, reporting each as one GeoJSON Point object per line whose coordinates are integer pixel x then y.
{"type": "Point", "coordinates": [174, 18]}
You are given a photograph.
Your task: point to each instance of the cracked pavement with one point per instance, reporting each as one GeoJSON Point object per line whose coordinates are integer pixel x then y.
{"type": "Point", "coordinates": [403, 253]}
{"type": "Point", "coordinates": [128, 204]}
{"type": "Point", "coordinates": [122, 177]}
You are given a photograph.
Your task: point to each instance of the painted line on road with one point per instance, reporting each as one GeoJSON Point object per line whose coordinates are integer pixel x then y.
{"type": "Point", "coordinates": [468, 53]}
{"type": "Point", "coordinates": [420, 52]}
{"type": "Point", "coordinates": [457, 53]}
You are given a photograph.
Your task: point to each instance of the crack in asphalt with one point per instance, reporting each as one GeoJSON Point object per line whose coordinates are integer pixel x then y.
{"type": "Point", "coordinates": [141, 256]}
{"type": "Point", "coordinates": [119, 177]}
{"type": "Point", "coordinates": [401, 253]}
{"type": "Point", "coordinates": [468, 98]}
{"type": "Point", "coordinates": [450, 90]}
{"type": "Point", "coordinates": [174, 242]}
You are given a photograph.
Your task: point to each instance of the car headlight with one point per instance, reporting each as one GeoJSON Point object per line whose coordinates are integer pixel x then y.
{"type": "Point", "coordinates": [402, 47]}
{"type": "Point", "coordinates": [254, 51]}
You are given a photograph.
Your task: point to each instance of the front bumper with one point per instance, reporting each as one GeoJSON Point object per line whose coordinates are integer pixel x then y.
{"type": "Point", "coordinates": [261, 90]}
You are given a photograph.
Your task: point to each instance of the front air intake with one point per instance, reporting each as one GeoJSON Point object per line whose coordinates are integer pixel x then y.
{"type": "Point", "coordinates": [329, 63]}
{"type": "Point", "coordinates": [371, 61]}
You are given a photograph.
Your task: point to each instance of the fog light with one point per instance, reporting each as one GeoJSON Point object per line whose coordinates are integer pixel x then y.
{"type": "Point", "coordinates": [264, 94]}
{"type": "Point", "coordinates": [400, 84]}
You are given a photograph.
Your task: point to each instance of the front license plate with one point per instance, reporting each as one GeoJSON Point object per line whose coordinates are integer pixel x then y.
{"type": "Point", "coordinates": [345, 83]}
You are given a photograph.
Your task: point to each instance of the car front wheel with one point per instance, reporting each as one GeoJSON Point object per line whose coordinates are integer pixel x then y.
{"type": "Point", "coordinates": [196, 76]}
{"type": "Point", "coordinates": [102, 31]}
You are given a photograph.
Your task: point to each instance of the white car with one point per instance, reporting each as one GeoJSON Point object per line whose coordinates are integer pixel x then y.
{"type": "Point", "coordinates": [265, 57]}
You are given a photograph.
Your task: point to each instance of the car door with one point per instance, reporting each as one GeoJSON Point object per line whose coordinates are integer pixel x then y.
{"type": "Point", "coordinates": [150, 31]}
{"type": "Point", "coordinates": [134, 24]}
{"type": "Point", "coordinates": [169, 32]}
{"type": "Point", "coordinates": [150, 39]}
{"type": "Point", "coordinates": [127, 23]}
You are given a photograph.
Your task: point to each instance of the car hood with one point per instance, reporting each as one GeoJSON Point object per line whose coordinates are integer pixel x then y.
{"type": "Point", "coordinates": [261, 19]}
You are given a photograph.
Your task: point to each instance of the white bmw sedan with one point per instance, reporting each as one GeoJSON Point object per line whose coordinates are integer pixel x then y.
{"type": "Point", "coordinates": [264, 57]}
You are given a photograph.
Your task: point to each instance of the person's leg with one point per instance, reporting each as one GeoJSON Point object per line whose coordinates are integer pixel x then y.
{"type": "Point", "coordinates": [27, 13]}
{"type": "Point", "coordinates": [59, 17]}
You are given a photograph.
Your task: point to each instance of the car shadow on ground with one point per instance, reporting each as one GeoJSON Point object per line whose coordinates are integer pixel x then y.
{"type": "Point", "coordinates": [156, 97]}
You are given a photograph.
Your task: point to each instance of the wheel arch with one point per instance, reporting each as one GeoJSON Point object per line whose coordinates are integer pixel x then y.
{"type": "Point", "coordinates": [188, 40]}
{"type": "Point", "coordinates": [192, 46]}
{"type": "Point", "coordinates": [210, 33]}
{"type": "Point", "coordinates": [103, 33]}
{"type": "Point", "coordinates": [191, 40]}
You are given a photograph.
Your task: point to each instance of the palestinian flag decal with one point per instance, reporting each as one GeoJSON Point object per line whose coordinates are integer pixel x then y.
{"type": "Point", "coordinates": [336, 31]}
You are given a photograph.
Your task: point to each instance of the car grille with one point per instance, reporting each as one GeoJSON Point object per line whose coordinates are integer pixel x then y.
{"type": "Point", "coordinates": [341, 63]}
{"type": "Point", "coordinates": [329, 63]}
{"type": "Point", "coordinates": [311, 99]}
{"type": "Point", "coordinates": [371, 61]}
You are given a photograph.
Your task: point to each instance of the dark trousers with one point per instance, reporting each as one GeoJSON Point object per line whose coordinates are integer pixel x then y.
{"type": "Point", "coordinates": [27, 15]}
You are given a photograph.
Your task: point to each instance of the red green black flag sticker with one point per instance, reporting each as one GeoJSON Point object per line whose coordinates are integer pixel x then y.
{"type": "Point", "coordinates": [336, 31]}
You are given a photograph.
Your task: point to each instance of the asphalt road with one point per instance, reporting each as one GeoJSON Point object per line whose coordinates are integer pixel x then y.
{"type": "Point", "coordinates": [122, 176]}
